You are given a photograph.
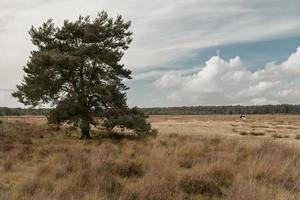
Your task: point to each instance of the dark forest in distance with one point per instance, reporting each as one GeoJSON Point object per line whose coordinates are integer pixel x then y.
{"type": "Point", "coordinates": [185, 110]}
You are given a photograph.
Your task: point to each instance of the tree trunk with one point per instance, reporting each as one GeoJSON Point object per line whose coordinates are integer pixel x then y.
{"type": "Point", "coordinates": [85, 130]}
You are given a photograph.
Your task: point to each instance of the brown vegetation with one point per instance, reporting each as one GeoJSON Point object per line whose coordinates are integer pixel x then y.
{"type": "Point", "coordinates": [38, 162]}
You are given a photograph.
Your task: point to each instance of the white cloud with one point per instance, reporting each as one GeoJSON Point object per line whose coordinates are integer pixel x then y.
{"type": "Point", "coordinates": [222, 82]}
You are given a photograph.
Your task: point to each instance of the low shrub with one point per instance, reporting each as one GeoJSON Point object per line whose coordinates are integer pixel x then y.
{"type": "Point", "coordinates": [160, 190]}
{"type": "Point", "coordinates": [277, 136]}
{"type": "Point", "coordinates": [173, 135]}
{"type": "Point", "coordinates": [243, 133]}
{"type": "Point", "coordinates": [129, 195]}
{"type": "Point", "coordinates": [285, 181]}
{"type": "Point", "coordinates": [199, 185]}
{"type": "Point", "coordinates": [5, 146]}
{"type": "Point", "coordinates": [26, 140]}
{"type": "Point", "coordinates": [111, 187]}
{"type": "Point", "coordinates": [280, 136]}
{"type": "Point", "coordinates": [185, 163]}
{"type": "Point", "coordinates": [44, 170]}
{"type": "Point", "coordinates": [25, 152]}
{"type": "Point", "coordinates": [7, 165]}
{"type": "Point", "coordinates": [257, 133]}
{"type": "Point", "coordinates": [130, 169]}
{"type": "Point", "coordinates": [221, 175]}
{"type": "Point", "coordinates": [30, 188]}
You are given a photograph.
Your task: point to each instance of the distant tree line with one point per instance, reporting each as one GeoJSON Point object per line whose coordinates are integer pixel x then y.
{"type": "Point", "coordinates": [23, 111]}
{"type": "Point", "coordinates": [185, 110]}
{"type": "Point", "coordinates": [228, 110]}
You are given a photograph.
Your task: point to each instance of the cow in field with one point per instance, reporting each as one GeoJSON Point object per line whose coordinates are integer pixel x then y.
{"type": "Point", "coordinates": [243, 117]}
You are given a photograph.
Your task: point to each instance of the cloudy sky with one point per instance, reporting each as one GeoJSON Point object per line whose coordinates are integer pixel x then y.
{"type": "Point", "coordinates": [185, 52]}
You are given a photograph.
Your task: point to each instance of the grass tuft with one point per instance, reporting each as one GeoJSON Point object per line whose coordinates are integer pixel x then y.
{"type": "Point", "coordinates": [130, 169]}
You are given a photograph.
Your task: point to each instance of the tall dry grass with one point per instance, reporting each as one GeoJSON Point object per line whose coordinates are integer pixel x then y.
{"type": "Point", "coordinates": [38, 162]}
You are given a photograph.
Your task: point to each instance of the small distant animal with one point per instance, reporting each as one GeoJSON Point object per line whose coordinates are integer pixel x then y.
{"type": "Point", "coordinates": [242, 117]}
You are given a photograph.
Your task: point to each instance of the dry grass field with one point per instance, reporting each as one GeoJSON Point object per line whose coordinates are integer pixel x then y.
{"type": "Point", "coordinates": [194, 157]}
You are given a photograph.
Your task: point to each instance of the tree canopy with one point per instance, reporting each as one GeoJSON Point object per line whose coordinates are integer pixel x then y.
{"type": "Point", "coordinates": [76, 68]}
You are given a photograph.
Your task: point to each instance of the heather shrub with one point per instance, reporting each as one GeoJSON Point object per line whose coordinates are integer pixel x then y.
{"type": "Point", "coordinates": [198, 185]}
{"type": "Point", "coordinates": [129, 169]}
{"type": "Point", "coordinates": [7, 165]}
{"type": "Point", "coordinates": [159, 190]}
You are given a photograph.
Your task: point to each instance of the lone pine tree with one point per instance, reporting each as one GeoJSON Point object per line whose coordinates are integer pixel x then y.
{"type": "Point", "coordinates": [76, 68]}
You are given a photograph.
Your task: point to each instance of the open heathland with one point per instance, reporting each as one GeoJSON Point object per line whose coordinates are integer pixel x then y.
{"type": "Point", "coordinates": [193, 157]}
